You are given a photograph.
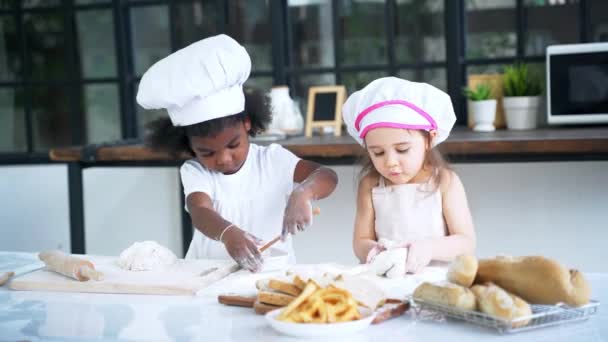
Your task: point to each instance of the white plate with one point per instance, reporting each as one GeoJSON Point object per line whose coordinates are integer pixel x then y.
{"type": "Point", "coordinates": [318, 329]}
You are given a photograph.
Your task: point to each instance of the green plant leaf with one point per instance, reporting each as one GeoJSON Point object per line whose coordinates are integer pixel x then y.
{"type": "Point", "coordinates": [481, 92]}
{"type": "Point", "coordinates": [518, 80]}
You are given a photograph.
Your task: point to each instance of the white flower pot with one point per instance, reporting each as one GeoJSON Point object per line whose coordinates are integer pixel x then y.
{"type": "Point", "coordinates": [484, 113]}
{"type": "Point", "coordinates": [521, 112]}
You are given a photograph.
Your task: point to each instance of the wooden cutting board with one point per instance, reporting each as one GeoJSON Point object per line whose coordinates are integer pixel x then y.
{"type": "Point", "coordinates": [185, 277]}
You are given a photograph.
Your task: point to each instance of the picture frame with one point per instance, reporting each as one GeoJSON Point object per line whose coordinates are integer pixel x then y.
{"type": "Point", "coordinates": [325, 108]}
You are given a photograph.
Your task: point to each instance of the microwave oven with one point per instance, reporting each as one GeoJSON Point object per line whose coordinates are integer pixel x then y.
{"type": "Point", "coordinates": [577, 83]}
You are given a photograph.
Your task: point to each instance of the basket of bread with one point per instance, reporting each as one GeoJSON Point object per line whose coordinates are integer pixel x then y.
{"type": "Point", "coordinates": [509, 294]}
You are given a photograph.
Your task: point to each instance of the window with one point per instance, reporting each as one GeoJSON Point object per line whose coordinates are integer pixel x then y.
{"type": "Point", "coordinates": [249, 24]}
{"type": "Point", "coordinates": [419, 31]}
{"type": "Point", "coordinates": [311, 33]}
{"type": "Point", "coordinates": [359, 42]}
{"type": "Point", "coordinates": [491, 29]}
{"type": "Point", "coordinates": [598, 20]}
{"type": "Point", "coordinates": [549, 24]}
{"type": "Point", "coordinates": [69, 69]}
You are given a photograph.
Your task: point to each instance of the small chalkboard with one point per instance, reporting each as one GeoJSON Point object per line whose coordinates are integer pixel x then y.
{"type": "Point", "coordinates": [324, 108]}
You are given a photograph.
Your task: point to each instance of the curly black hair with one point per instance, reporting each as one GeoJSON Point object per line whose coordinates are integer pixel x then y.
{"type": "Point", "coordinates": [163, 136]}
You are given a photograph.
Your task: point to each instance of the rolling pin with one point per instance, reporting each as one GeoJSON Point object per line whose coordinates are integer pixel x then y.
{"type": "Point", "coordinates": [4, 277]}
{"type": "Point", "coordinates": [70, 266]}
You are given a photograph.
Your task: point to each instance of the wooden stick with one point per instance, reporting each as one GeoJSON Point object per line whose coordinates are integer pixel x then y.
{"type": "Point", "coordinates": [391, 311]}
{"type": "Point", "coordinates": [270, 243]}
{"type": "Point", "coordinates": [315, 211]}
{"type": "Point", "coordinates": [236, 300]}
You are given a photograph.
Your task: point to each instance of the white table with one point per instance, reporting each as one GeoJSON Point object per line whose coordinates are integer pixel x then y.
{"type": "Point", "coordinates": [77, 316]}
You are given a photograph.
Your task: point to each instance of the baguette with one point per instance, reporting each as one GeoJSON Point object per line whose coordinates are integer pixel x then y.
{"type": "Point", "coordinates": [284, 287]}
{"type": "Point", "coordinates": [536, 279]}
{"type": "Point", "coordinates": [274, 298]}
{"type": "Point", "coordinates": [446, 294]}
{"type": "Point", "coordinates": [497, 302]}
{"type": "Point", "coordinates": [299, 282]}
{"type": "Point", "coordinates": [462, 270]}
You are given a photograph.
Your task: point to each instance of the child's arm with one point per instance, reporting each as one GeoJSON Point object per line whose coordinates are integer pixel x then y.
{"type": "Point", "coordinates": [316, 182]}
{"type": "Point", "coordinates": [461, 234]}
{"type": "Point", "coordinates": [364, 237]}
{"type": "Point", "coordinates": [242, 246]}
{"type": "Point", "coordinates": [461, 238]}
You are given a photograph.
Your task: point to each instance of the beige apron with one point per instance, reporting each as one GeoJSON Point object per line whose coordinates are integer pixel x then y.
{"type": "Point", "coordinates": [407, 212]}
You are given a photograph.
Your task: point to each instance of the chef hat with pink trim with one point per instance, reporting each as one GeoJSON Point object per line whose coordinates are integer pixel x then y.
{"type": "Point", "coordinates": [396, 103]}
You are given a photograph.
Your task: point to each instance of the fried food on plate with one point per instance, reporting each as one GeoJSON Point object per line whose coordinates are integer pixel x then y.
{"type": "Point", "coordinates": [321, 305]}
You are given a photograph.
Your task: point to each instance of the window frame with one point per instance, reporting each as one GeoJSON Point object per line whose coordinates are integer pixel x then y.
{"type": "Point", "coordinates": [283, 71]}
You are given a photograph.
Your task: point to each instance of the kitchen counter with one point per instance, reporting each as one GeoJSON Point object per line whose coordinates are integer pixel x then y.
{"type": "Point", "coordinates": [51, 315]}
{"type": "Point", "coordinates": [463, 145]}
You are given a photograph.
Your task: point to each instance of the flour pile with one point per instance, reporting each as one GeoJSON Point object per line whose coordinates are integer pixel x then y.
{"type": "Point", "coordinates": [146, 256]}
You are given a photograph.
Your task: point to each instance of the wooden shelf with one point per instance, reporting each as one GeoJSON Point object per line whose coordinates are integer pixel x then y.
{"type": "Point", "coordinates": [463, 145]}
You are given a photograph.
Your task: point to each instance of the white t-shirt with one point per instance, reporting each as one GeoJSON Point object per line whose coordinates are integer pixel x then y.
{"type": "Point", "coordinates": [254, 198]}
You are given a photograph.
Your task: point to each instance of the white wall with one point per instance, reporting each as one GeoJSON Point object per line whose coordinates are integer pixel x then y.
{"type": "Point", "coordinates": [128, 204]}
{"type": "Point", "coordinates": [554, 209]}
{"type": "Point", "coordinates": [558, 210]}
{"type": "Point", "coordinates": [34, 208]}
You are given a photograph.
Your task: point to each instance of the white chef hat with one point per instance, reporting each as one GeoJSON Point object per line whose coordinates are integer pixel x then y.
{"type": "Point", "coordinates": [200, 82]}
{"type": "Point", "coordinates": [397, 103]}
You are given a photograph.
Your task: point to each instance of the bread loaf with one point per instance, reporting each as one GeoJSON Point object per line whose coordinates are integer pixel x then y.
{"type": "Point", "coordinates": [299, 282]}
{"type": "Point", "coordinates": [536, 279]}
{"type": "Point", "coordinates": [496, 302]}
{"type": "Point", "coordinates": [446, 294]}
{"type": "Point", "coordinates": [462, 270]}
{"type": "Point", "coordinates": [284, 287]}
{"type": "Point", "coordinates": [274, 298]}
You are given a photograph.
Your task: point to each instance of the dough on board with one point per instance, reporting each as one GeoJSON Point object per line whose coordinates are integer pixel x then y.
{"type": "Point", "coordinates": [146, 256]}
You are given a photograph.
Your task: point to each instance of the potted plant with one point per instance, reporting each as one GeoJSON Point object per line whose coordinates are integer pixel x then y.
{"type": "Point", "coordinates": [482, 106]}
{"type": "Point", "coordinates": [522, 91]}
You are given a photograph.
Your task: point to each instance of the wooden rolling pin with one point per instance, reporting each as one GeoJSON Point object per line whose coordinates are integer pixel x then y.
{"type": "Point", "coordinates": [4, 277]}
{"type": "Point", "coordinates": [70, 266]}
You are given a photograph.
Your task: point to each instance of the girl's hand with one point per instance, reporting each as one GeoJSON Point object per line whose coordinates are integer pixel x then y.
{"type": "Point", "coordinates": [419, 255]}
{"type": "Point", "coordinates": [243, 248]}
{"type": "Point", "coordinates": [375, 250]}
{"type": "Point", "coordinates": [298, 213]}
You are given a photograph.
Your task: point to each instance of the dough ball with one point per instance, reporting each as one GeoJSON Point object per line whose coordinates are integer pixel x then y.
{"type": "Point", "coordinates": [146, 256]}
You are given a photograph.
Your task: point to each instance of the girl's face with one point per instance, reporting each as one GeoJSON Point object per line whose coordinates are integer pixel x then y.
{"type": "Point", "coordinates": [224, 152]}
{"type": "Point", "coordinates": [398, 154]}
